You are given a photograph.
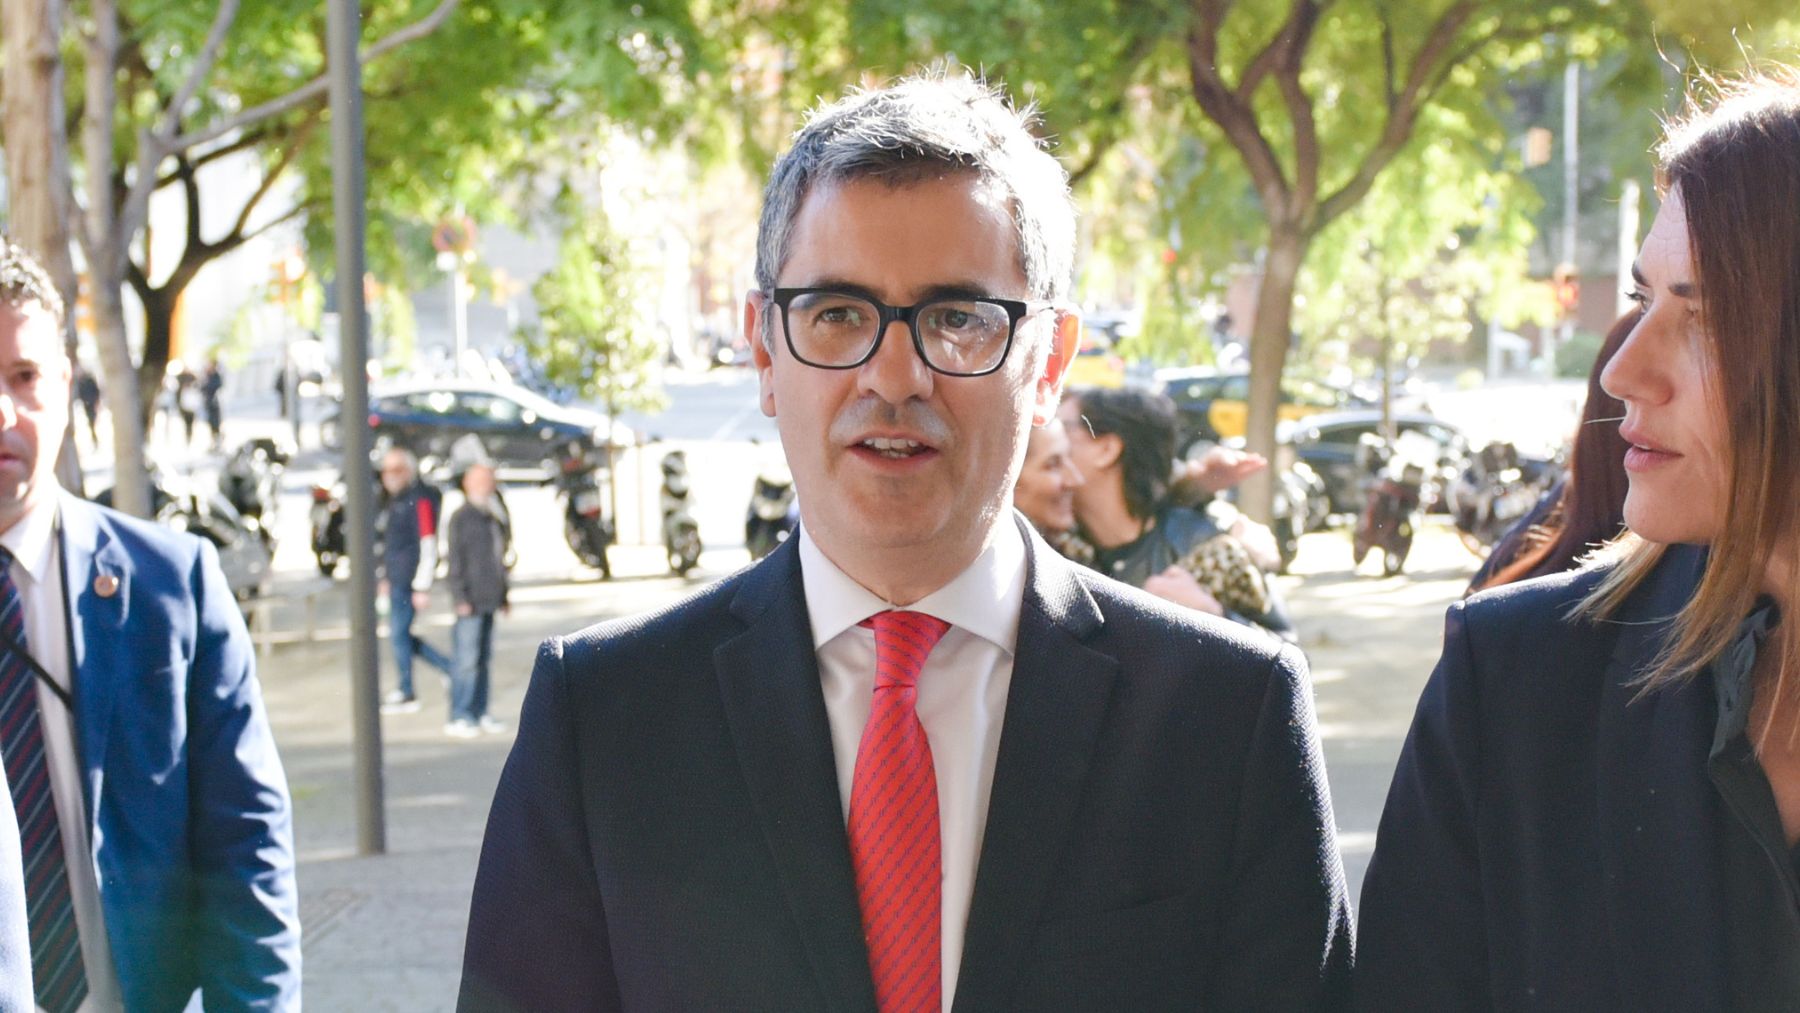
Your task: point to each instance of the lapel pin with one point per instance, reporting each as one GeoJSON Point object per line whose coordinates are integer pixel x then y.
{"type": "Point", "coordinates": [106, 585]}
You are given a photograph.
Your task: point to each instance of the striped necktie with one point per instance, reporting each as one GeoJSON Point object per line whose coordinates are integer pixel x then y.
{"type": "Point", "coordinates": [56, 968]}
{"type": "Point", "coordinates": [896, 849]}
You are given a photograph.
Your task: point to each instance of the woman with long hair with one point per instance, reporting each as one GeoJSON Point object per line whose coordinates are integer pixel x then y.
{"type": "Point", "coordinates": [1586, 509]}
{"type": "Point", "coordinates": [1598, 805]}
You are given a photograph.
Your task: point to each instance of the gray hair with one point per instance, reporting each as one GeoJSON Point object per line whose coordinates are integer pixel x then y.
{"type": "Point", "coordinates": [24, 281]}
{"type": "Point", "coordinates": [920, 128]}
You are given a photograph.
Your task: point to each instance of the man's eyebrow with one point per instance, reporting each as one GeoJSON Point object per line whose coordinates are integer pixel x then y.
{"type": "Point", "coordinates": [942, 290]}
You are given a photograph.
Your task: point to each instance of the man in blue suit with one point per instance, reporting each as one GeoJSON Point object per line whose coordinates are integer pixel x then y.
{"type": "Point", "coordinates": [912, 760]}
{"type": "Point", "coordinates": [128, 699]}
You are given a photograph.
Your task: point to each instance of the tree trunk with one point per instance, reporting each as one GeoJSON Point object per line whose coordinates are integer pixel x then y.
{"type": "Point", "coordinates": [37, 159]}
{"type": "Point", "coordinates": [1269, 340]}
{"type": "Point", "coordinates": [105, 242]}
{"type": "Point", "coordinates": [159, 332]}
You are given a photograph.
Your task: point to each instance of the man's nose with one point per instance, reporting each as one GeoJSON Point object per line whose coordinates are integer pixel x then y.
{"type": "Point", "coordinates": [896, 373]}
{"type": "Point", "coordinates": [9, 411]}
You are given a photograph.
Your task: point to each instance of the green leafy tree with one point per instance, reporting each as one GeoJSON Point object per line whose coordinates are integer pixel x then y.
{"type": "Point", "coordinates": [591, 336]}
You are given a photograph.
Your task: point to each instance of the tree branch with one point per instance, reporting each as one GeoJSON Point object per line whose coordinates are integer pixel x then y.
{"type": "Point", "coordinates": [318, 85]}
{"type": "Point", "coordinates": [1299, 104]}
{"type": "Point", "coordinates": [274, 173]}
{"type": "Point", "coordinates": [1233, 115]}
{"type": "Point", "coordinates": [1301, 17]}
{"type": "Point", "coordinates": [1403, 113]}
{"type": "Point", "coordinates": [199, 72]}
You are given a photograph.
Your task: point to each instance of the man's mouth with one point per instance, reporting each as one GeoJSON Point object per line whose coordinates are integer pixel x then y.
{"type": "Point", "coordinates": [894, 449]}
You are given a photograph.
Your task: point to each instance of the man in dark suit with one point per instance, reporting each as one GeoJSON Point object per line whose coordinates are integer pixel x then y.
{"type": "Point", "coordinates": [912, 759]}
{"type": "Point", "coordinates": [151, 804]}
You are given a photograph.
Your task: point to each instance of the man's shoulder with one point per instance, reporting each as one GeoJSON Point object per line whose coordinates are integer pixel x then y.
{"type": "Point", "coordinates": [141, 539]}
{"type": "Point", "coordinates": [680, 633]}
{"type": "Point", "coordinates": [1154, 635]}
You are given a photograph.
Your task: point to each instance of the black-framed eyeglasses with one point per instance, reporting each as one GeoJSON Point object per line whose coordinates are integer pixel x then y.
{"type": "Point", "coordinates": [829, 328]}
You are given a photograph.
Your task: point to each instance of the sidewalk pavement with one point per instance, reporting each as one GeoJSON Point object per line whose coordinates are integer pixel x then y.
{"type": "Point", "coordinates": [386, 932]}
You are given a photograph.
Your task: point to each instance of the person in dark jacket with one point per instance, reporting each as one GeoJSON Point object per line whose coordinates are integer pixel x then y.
{"type": "Point", "coordinates": [212, 385]}
{"type": "Point", "coordinates": [1598, 805]}
{"type": "Point", "coordinates": [478, 586]}
{"type": "Point", "coordinates": [408, 531]}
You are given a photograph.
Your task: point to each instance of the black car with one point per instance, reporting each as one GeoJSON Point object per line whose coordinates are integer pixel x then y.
{"type": "Point", "coordinates": [1327, 443]}
{"type": "Point", "coordinates": [518, 428]}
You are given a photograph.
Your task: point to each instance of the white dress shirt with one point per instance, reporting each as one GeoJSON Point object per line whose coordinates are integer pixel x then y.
{"type": "Point", "coordinates": [38, 574]}
{"type": "Point", "coordinates": [961, 702]}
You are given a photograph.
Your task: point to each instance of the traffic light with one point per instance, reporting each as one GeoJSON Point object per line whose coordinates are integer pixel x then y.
{"type": "Point", "coordinates": [1565, 285]}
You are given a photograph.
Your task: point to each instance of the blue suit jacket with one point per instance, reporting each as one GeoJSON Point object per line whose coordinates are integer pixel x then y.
{"type": "Point", "coordinates": [667, 834]}
{"type": "Point", "coordinates": [187, 805]}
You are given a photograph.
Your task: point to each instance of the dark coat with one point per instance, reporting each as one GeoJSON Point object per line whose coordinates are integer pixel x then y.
{"type": "Point", "coordinates": [477, 559]}
{"type": "Point", "coordinates": [1551, 839]}
{"type": "Point", "coordinates": [667, 833]}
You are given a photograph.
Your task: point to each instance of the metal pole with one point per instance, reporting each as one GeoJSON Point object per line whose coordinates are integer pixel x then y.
{"type": "Point", "coordinates": [459, 317]}
{"type": "Point", "coordinates": [1571, 173]}
{"type": "Point", "coordinates": [342, 23]}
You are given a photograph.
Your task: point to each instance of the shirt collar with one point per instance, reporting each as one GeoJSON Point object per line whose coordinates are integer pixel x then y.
{"type": "Point", "coordinates": [985, 599]}
{"type": "Point", "coordinates": [31, 538]}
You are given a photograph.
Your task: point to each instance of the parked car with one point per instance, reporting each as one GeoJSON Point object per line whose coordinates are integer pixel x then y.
{"type": "Point", "coordinates": [1098, 363]}
{"type": "Point", "coordinates": [1327, 442]}
{"type": "Point", "coordinates": [1215, 406]}
{"type": "Point", "coordinates": [520, 429]}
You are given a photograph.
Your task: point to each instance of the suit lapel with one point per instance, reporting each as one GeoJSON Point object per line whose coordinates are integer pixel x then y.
{"type": "Point", "coordinates": [1054, 711]}
{"type": "Point", "coordinates": [1657, 810]}
{"type": "Point", "coordinates": [769, 681]}
{"type": "Point", "coordinates": [96, 628]}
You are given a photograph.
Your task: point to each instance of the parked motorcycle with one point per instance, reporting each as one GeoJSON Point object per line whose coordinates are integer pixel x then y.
{"type": "Point", "coordinates": [585, 524]}
{"type": "Point", "coordinates": [1495, 490]}
{"type": "Point", "coordinates": [774, 513]}
{"type": "Point", "coordinates": [681, 533]}
{"type": "Point", "coordinates": [1389, 515]}
{"type": "Point", "coordinates": [251, 481]}
{"type": "Point", "coordinates": [327, 516]}
{"type": "Point", "coordinates": [244, 553]}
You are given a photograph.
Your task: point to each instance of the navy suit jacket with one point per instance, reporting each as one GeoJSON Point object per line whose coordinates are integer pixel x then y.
{"type": "Point", "coordinates": [1550, 839]}
{"type": "Point", "coordinates": [667, 833]}
{"type": "Point", "coordinates": [187, 805]}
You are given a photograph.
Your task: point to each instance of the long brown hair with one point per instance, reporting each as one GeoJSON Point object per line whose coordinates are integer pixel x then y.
{"type": "Point", "coordinates": [1736, 162]}
{"type": "Point", "coordinates": [1592, 508]}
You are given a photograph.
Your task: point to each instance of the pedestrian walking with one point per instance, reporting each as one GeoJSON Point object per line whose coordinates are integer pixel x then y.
{"type": "Point", "coordinates": [912, 759]}
{"type": "Point", "coordinates": [408, 531]}
{"type": "Point", "coordinates": [152, 808]}
{"type": "Point", "coordinates": [478, 536]}
{"type": "Point", "coordinates": [188, 401]}
{"type": "Point", "coordinates": [212, 383]}
{"type": "Point", "coordinates": [87, 391]}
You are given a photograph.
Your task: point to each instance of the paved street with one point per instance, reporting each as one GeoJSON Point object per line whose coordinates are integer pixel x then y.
{"type": "Point", "coordinates": [386, 933]}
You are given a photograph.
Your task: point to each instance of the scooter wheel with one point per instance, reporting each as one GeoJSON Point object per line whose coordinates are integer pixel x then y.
{"type": "Point", "coordinates": [328, 562]}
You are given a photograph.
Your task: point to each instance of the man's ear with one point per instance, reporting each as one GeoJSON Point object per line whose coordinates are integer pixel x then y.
{"type": "Point", "coordinates": [756, 304]}
{"type": "Point", "coordinates": [1064, 345]}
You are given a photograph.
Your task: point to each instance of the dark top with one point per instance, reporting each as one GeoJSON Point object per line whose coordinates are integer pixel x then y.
{"type": "Point", "coordinates": [1175, 532]}
{"type": "Point", "coordinates": [405, 521]}
{"type": "Point", "coordinates": [668, 832]}
{"type": "Point", "coordinates": [478, 558]}
{"type": "Point", "coordinates": [1761, 884]}
{"type": "Point", "coordinates": [1553, 839]}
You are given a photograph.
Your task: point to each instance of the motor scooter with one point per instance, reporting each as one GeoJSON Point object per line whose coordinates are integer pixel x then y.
{"type": "Point", "coordinates": [251, 481]}
{"type": "Point", "coordinates": [774, 512]}
{"type": "Point", "coordinates": [586, 526]}
{"type": "Point", "coordinates": [681, 533]}
{"type": "Point", "coordinates": [1389, 515]}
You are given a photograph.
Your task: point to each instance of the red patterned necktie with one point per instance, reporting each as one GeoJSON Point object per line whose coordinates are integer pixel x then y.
{"type": "Point", "coordinates": [895, 846]}
{"type": "Point", "coordinates": [56, 968]}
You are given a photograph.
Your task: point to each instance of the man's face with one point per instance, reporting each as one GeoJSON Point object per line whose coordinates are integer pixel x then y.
{"type": "Point", "coordinates": [478, 483]}
{"type": "Point", "coordinates": [396, 473]}
{"type": "Point", "coordinates": [962, 437]}
{"type": "Point", "coordinates": [34, 406]}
